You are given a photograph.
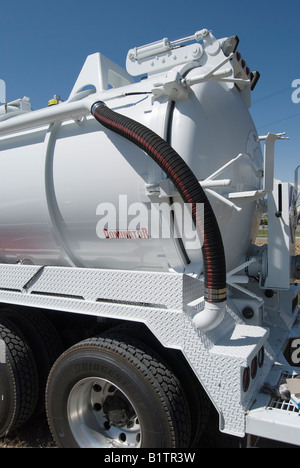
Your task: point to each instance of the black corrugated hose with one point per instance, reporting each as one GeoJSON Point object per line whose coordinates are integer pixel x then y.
{"type": "Point", "coordinates": [187, 185]}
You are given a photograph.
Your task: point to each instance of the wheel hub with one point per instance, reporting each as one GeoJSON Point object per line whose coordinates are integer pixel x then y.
{"type": "Point", "coordinates": [117, 411]}
{"type": "Point", "coordinates": [101, 415]}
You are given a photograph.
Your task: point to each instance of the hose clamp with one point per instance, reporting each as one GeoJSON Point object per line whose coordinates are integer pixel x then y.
{"type": "Point", "coordinates": [215, 295]}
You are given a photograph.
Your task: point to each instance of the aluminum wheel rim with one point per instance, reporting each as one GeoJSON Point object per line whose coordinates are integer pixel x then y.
{"type": "Point", "coordinates": [88, 421]}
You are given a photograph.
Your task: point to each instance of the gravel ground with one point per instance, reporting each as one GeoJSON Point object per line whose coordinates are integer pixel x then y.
{"type": "Point", "coordinates": [34, 434]}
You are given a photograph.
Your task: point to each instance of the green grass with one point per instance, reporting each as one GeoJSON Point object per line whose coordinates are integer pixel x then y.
{"type": "Point", "coordinates": [262, 233]}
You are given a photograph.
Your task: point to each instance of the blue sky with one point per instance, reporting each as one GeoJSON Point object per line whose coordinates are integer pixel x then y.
{"type": "Point", "coordinates": [43, 46]}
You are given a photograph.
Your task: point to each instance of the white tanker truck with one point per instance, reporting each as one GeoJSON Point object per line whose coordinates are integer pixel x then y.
{"type": "Point", "coordinates": [133, 296]}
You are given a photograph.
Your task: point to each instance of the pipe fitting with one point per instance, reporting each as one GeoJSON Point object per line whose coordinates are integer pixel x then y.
{"type": "Point", "coordinates": [210, 317]}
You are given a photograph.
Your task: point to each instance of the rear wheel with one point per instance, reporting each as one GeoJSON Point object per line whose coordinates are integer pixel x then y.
{"type": "Point", "coordinates": [104, 392]}
{"type": "Point", "coordinates": [43, 341]}
{"type": "Point", "coordinates": [198, 402]}
{"type": "Point", "coordinates": [18, 380]}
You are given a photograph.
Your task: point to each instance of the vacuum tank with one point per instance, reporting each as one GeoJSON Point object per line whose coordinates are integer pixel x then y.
{"type": "Point", "coordinates": [74, 193]}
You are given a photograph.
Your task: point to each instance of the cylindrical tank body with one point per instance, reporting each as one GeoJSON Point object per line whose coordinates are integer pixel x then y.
{"type": "Point", "coordinates": [71, 192]}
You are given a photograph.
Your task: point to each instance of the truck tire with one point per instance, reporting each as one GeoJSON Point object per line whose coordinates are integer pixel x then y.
{"type": "Point", "coordinates": [44, 342]}
{"type": "Point", "coordinates": [198, 401]}
{"type": "Point", "coordinates": [18, 380]}
{"type": "Point", "coordinates": [105, 393]}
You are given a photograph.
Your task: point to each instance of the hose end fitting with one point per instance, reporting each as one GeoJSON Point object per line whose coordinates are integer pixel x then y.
{"type": "Point", "coordinates": [210, 317]}
{"type": "Point", "coordinates": [95, 105]}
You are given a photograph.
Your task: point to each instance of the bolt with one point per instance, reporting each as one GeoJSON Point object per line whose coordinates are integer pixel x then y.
{"type": "Point", "coordinates": [195, 50]}
{"type": "Point", "coordinates": [97, 407]}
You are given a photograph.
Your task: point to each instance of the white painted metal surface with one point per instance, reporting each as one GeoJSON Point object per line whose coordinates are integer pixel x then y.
{"type": "Point", "coordinates": [272, 417]}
